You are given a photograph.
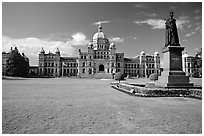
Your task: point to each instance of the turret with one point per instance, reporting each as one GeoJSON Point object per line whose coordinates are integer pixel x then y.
{"type": "Point", "coordinates": [142, 56]}
{"type": "Point", "coordinates": [42, 51]}
{"type": "Point", "coordinates": [57, 52]}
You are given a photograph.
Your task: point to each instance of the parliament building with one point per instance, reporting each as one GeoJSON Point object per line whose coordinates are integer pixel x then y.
{"type": "Point", "coordinates": [99, 61]}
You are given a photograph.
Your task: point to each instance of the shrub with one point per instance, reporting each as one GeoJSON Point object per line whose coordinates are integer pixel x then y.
{"type": "Point", "coordinates": [153, 76]}
{"type": "Point", "coordinates": [119, 76]}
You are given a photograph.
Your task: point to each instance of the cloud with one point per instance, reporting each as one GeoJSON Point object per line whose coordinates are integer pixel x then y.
{"type": "Point", "coordinates": [147, 14]}
{"type": "Point", "coordinates": [196, 11]}
{"type": "Point", "coordinates": [155, 23]}
{"type": "Point", "coordinates": [78, 39]}
{"type": "Point", "coordinates": [198, 17]}
{"type": "Point", "coordinates": [57, 37]}
{"type": "Point", "coordinates": [160, 24]}
{"type": "Point", "coordinates": [182, 21]}
{"type": "Point", "coordinates": [32, 46]}
{"type": "Point", "coordinates": [102, 22]}
{"type": "Point", "coordinates": [190, 34]}
{"type": "Point", "coordinates": [140, 5]}
{"type": "Point", "coordinates": [117, 39]}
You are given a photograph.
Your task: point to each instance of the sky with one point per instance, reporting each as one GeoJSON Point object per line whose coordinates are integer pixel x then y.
{"type": "Point", "coordinates": [132, 26]}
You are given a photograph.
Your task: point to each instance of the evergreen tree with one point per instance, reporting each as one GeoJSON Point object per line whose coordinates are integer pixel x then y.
{"type": "Point", "coordinates": [18, 65]}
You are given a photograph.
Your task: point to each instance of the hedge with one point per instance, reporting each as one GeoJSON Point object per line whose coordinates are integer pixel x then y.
{"type": "Point", "coordinates": [158, 92]}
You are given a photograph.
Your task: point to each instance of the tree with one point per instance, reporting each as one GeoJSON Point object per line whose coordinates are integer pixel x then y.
{"type": "Point", "coordinates": [153, 76]}
{"type": "Point", "coordinates": [197, 64]}
{"type": "Point", "coordinates": [119, 76]}
{"type": "Point", "coordinates": [18, 65]}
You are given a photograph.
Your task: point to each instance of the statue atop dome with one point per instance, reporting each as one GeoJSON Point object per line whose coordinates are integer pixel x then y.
{"type": "Point", "coordinates": [99, 27]}
{"type": "Point", "coordinates": [171, 31]}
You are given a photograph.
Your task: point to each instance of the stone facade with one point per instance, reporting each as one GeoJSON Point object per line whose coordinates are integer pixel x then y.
{"type": "Point", "coordinates": [187, 63]}
{"type": "Point", "coordinates": [101, 60]}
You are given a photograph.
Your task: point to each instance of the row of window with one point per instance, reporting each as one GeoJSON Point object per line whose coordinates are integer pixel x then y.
{"type": "Point", "coordinates": [101, 53]}
{"type": "Point", "coordinates": [50, 64]}
{"type": "Point", "coordinates": [70, 64]}
{"type": "Point", "coordinates": [52, 70]}
{"type": "Point", "coordinates": [102, 57]}
{"type": "Point", "coordinates": [132, 72]}
{"type": "Point", "coordinates": [150, 65]}
{"type": "Point", "coordinates": [94, 71]}
{"type": "Point", "coordinates": [97, 57]}
{"type": "Point", "coordinates": [132, 66]}
{"type": "Point", "coordinates": [70, 70]}
{"type": "Point", "coordinates": [90, 64]}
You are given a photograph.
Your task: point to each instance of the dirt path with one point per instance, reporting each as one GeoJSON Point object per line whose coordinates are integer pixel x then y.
{"type": "Point", "coordinates": [92, 106]}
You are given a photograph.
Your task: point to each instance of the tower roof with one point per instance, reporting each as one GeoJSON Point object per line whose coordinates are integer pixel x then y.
{"type": "Point", "coordinates": [142, 52]}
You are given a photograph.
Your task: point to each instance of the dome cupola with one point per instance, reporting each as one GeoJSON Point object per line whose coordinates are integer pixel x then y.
{"type": "Point", "coordinates": [99, 34]}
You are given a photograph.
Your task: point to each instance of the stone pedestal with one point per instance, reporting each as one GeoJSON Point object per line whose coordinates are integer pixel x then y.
{"type": "Point", "coordinates": [172, 75]}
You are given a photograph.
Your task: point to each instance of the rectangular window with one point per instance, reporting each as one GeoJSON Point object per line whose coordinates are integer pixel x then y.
{"type": "Point", "coordinates": [119, 65]}
{"type": "Point", "coordinates": [83, 70]}
{"type": "Point", "coordinates": [113, 64]}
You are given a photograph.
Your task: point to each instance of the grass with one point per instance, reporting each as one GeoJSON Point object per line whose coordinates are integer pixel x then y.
{"type": "Point", "coordinates": [63, 105]}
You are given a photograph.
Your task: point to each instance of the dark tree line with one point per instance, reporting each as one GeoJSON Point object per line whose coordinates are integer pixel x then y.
{"type": "Point", "coordinates": [17, 64]}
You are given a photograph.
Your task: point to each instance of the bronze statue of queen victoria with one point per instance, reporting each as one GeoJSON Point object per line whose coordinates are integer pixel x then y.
{"type": "Point", "coordinates": [171, 31]}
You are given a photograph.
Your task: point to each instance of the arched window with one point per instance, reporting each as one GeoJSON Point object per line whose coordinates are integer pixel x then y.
{"type": "Point", "coordinates": [83, 64]}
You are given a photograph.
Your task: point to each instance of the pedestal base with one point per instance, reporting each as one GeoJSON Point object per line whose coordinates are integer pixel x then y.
{"type": "Point", "coordinates": [174, 81]}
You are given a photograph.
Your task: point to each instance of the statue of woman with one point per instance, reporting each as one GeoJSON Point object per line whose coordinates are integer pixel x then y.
{"type": "Point", "coordinates": [171, 31]}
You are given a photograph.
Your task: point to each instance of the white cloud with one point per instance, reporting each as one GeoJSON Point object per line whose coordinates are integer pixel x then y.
{"type": "Point", "coordinates": [78, 39]}
{"type": "Point", "coordinates": [146, 14]}
{"type": "Point", "coordinates": [190, 34]}
{"type": "Point", "coordinates": [198, 27]}
{"type": "Point", "coordinates": [32, 46]}
{"type": "Point", "coordinates": [196, 11]}
{"type": "Point", "coordinates": [117, 39]}
{"type": "Point", "coordinates": [140, 5]}
{"type": "Point", "coordinates": [155, 23]}
{"type": "Point", "coordinates": [182, 21]}
{"type": "Point", "coordinates": [102, 22]}
{"type": "Point", "coordinates": [160, 24]}
{"type": "Point", "coordinates": [197, 17]}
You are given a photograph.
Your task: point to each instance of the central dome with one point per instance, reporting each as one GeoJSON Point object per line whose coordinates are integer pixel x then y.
{"type": "Point", "coordinates": [99, 34]}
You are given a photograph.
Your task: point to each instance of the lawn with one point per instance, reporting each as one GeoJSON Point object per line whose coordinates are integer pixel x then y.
{"type": "Point", "coordinates": [64, 105]}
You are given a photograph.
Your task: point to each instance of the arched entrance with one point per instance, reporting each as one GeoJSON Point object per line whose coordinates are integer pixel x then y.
{"type": "Point", "coordinates": [101, 68]}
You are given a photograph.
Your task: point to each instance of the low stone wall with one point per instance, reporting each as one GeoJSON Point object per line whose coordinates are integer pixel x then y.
{"type": "Point", "coordinates": [157, 92]}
